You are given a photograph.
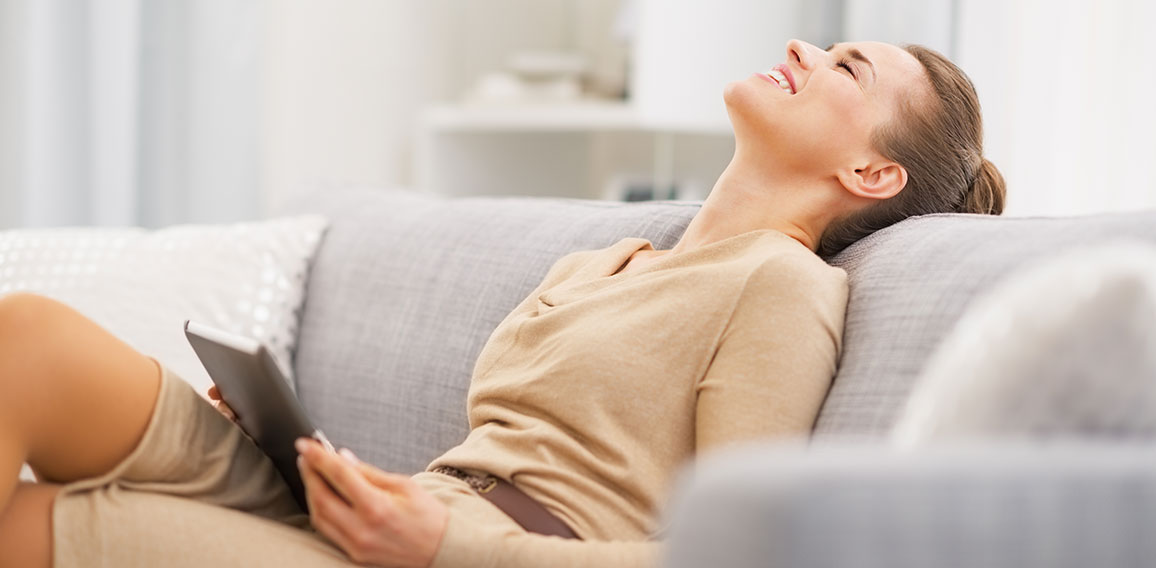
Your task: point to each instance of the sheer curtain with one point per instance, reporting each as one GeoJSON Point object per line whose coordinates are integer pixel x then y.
{"type": "Point", "coordinates": [129, 112]}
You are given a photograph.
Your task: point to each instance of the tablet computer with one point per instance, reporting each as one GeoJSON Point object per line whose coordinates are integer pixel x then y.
{"type": "Point", "coordinates": [253, 385]}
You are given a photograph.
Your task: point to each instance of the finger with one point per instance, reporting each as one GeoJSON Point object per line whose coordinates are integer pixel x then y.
{"type": "Point", "coordinates": [322, 500]}
{"type": "Point", "coordinates": [327, 512]}
{"type": "Point", "coordinates": [324, 489]}
{"type": "Point", "coordinates": [393, 482]}
{"type": "Point", "coordinates": [317, 491]}
{"type": "Point", "coordinates": [338, 471]}
{"type": "Point", "coordinates": [389, 481]}
{"type": "Point", "coordinates": [348, 454]}
{"type": "Point", "coordinates": [214, 393]}
{"type": "Point", "coordinates": [225, 410]}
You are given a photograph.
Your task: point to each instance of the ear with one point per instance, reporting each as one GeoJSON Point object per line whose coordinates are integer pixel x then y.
{"type": "Point", "coordinates": [881, 179]}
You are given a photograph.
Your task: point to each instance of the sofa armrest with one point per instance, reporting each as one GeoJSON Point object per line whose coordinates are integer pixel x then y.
{"type": "Point", "coordinates": [1058, 505]}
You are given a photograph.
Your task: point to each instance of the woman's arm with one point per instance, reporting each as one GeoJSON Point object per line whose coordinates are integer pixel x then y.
{"type": "Point", "coordinates": [386, 519]}
{"type": "Point", "coordinates": [776, 357]}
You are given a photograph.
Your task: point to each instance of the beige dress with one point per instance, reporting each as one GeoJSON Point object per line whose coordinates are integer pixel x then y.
{"type": "Point", "coordinates": [589, 396]}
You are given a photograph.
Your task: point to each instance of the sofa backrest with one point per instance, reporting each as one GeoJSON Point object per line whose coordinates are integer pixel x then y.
{"type": "Point", "coordinates": [911, 282]}
{"type": "Point", "coordinates": [406, 288]}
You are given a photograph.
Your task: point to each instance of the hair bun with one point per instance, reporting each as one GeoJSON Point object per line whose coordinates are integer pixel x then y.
{"type": "Point", "coordinates": [987, 193]}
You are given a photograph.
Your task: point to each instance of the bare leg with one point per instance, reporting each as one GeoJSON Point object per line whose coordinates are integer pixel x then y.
{"type": "Point", "coordinates": [74, 399]}
{"type": "Point", "coordinates": [26, 527]}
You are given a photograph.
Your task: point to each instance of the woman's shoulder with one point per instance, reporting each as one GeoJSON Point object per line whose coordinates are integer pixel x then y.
{"type": "Point", "coordinates": [777, 255]}
{"type": "Point", "coordinates": [780, 273]}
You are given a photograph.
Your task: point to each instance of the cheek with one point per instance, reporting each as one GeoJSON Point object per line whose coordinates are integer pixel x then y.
{"type": "Point", "coordinates": [849, 113]}
{"type": "Point", "coordinates": [816, 125]}
{"type": "Point", "coordinates": [837, 126]}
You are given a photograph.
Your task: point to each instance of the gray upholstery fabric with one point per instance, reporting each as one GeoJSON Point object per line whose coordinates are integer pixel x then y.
{"type": "Point", "coordinates": [405, 290]}
{"type": "Point", "coordinates": [1033, 360]}
{"type": "Point", "coordinates": [909, 285]}
{"type": "Point", "coordinates": [1063, 506]}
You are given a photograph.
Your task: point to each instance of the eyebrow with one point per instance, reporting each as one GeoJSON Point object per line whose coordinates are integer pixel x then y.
{"type": "Point", "coordinates": [857, 55]}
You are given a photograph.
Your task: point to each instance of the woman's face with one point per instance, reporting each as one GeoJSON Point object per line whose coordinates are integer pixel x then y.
{"type": "Point", "coordinates": [816, 112]}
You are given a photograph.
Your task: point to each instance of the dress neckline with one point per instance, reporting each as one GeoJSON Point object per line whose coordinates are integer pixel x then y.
{"type": "Point", "coordinates": [631, 245]}
{"type": "Point", "coordinates": [605, 270]}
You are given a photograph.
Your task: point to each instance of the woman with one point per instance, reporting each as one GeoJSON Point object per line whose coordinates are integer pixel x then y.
{"type": "Point", "coordinates": [589, 421]}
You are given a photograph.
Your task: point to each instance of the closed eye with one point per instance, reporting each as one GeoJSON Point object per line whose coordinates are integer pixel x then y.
{"type": "Point", "coordinates": [847, 65]}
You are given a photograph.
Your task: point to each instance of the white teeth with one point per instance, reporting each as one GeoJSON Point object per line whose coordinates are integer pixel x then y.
{"type": "Point", "coordinates": [781, 79]}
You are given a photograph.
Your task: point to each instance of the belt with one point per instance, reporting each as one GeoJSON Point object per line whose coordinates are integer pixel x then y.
{"type": "Point", "coordinates": [525, 511]}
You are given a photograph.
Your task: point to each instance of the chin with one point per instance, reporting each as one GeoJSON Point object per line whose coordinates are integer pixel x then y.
{"type": "Point", "coordinates": [746, 105]}
{"type": "Point", "coordinates": [740, 93]}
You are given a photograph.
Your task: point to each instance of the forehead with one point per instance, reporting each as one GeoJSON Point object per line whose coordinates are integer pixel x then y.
{"type": "Point", "coordinates": [897, 72]}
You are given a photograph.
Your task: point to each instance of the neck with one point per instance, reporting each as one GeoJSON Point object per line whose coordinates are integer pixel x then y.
{"type": "Point", "coordinates": [748, 199]}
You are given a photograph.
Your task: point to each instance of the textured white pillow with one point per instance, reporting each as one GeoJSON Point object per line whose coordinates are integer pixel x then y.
{"type": "Point", "coordinates": [1066, 348]}
{"type": "Point", "coordinates": [247, 278]}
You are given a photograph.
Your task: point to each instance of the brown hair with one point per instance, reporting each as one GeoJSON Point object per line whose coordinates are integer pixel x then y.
{"type": "Point", "coordinates": [940, 144]}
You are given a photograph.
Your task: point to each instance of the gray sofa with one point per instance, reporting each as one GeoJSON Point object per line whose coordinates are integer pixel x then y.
{"type": "Point", "coordinates": [406, 288]}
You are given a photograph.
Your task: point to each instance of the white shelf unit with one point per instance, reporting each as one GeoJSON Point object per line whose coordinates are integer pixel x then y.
{"type": "Point", "coordinates": [532, 117]}
{"type": "Point", "coordinates": [584, 149]}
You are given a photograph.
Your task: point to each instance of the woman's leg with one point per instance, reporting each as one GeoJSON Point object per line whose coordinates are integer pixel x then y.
{"type": "Point", "coordinates": [74, 399]}
{"type": "Point", "coordinates": [26, 526]}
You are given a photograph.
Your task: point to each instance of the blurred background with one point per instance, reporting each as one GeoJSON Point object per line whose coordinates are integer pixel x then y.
{"type": "Point", "coordinates": [155, 112]}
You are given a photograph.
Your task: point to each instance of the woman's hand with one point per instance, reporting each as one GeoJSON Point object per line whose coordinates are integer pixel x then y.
{"type": "Point", "coordinates": [215, 397]}
{"type": "Point", "coordinates": [376, 517]}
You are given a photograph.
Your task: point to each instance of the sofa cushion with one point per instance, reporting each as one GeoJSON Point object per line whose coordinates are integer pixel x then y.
{"type": "Point", "coordinates": [140, 285]}
{"type": "Point", "coordinates": [909, 285]}
{"type": "Point", "coordinates": [406, 289]}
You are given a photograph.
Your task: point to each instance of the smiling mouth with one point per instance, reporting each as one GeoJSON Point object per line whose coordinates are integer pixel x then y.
{"type": "Point", "coordinates": [778, 77]}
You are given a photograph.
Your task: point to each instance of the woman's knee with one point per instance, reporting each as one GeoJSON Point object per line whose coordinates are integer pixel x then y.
{"type": "Point", "coordinates": [18, 304]}
{"type": "Point", "coordinates": [77, 396]}
{"type": "Point", "coordinates": [32, 331]}
{"type": "Point", "coordinates": [42, 339]}
{"type": "Point", "coordinates": [24, 313]}
{"type": "Point", "coordinates": [26, 343]}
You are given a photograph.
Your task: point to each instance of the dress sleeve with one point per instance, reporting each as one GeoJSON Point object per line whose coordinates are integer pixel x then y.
{"type": "Point", "coordinates": [775, 358]}
{"type": "Point", "coordinates": [465, 545]}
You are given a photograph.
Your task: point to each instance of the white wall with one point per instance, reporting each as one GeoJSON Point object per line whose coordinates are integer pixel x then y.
{"type": "Point", "coordinates": [345, 79]}
{"type": "Point", "coordinates": [687, 51]}
{"type": "Point", "coordinates": [925, 22]}
{"type": "Point", "coordinates": [1067, 90]}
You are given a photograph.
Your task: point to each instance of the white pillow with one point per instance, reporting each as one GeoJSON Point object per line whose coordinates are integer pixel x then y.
{"type": "Point", "coordinates": [1066, 348]}
{"type": "Point", "coordinates": [247, 278]}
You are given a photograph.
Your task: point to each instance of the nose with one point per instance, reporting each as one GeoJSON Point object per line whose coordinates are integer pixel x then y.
{"type": "Point", "coordinates": [802, 53]}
